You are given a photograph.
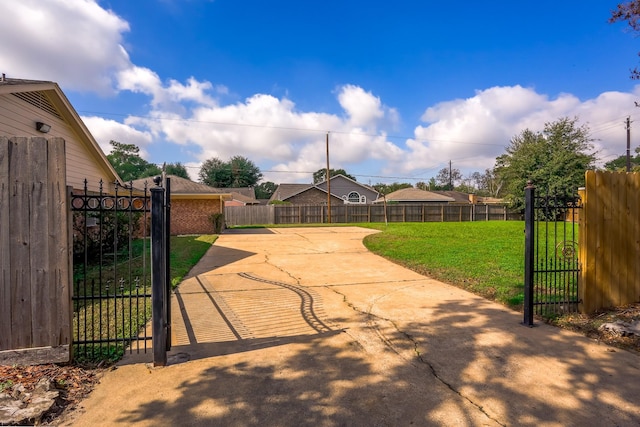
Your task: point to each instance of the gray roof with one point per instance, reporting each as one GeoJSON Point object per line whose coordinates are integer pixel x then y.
{"type": "Point", "coordinates": [457, 196]}
{"type": "Point", "coordinates": [415, 195]}
{"type": "Point", "coordinates": [179, 186]}
{"type": "Point", "coordinates": [285, 191]}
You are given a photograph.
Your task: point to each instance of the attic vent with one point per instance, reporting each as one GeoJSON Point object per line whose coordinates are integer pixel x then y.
{"type": "Point", "coordinates": [39, 100]}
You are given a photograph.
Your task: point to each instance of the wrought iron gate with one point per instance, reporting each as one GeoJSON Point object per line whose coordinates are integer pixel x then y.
{"type": "Point", "coordinates": [121, 271]}
{"type": "Point", "coordinates": [552, 268]}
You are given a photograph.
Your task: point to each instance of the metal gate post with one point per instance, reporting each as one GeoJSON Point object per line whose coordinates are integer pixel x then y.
{"type": "Point", "coordinates": [529, 247]}
{"type": "Point", "coordinates": [158, 282]}
{"type": "Point", "coordinates": [167, 252]}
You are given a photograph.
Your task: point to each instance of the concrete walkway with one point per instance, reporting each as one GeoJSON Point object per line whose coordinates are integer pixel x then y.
{"type": "Point", "coordinates": [304, 327]}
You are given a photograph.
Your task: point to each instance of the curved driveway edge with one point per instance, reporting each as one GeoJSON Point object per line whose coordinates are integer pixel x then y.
{"type": "Point", "coordinates": [305, 327]}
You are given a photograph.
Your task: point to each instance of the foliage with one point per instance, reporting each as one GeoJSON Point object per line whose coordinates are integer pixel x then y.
{"type": "Point", "coordinates": [321, 175]}
{"type": "Point", "coordinates": [482, 257]}
{"type": "Point", "coordinates": [265, 190]}
{"type": "Point", "coordinates": [177, 169]}
{"type": "Point", "coordinates": [237, 172]}
{"type": "Point", "coordinates": [555, 160]}
{"type": "Point", "coordinates": [126, 160]}
{"type": "Point", "coordinates": [390, 188]}
{"type": "Point", "coordinates": [448, 177]}
{"type": "Point", "coordinates": [629, 12]}
{"type": "Point", "coordinates": [217, 220]}
{"type": "Point", "coordinates": [620, 163]}
{"type": "Point", "coordinates": [111, 233]}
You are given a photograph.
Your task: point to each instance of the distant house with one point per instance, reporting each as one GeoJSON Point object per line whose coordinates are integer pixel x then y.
{"type": "Point", "coordinates": [343, 191]}
{"type": "Point", "coordinates": [415, 196]}
{"type": "Point", "coordinates": [34, 108]}
{"type": "Point", "coordinates": [192, 204]}
{"type": "Point", "coordinates": [240, 196]}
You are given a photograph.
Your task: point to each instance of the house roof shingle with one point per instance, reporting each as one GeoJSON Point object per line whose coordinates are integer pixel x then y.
{"type": "Point", "coordinates": [414, 195]}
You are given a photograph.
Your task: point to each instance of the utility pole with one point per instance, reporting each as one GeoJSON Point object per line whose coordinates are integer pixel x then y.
{"type": "Point", "coordinates": [628, 144]}
{"type": "Point", "coordinates": [328, 185]}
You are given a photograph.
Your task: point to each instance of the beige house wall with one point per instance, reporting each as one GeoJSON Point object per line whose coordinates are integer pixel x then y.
{"type": "Point", "coordinates": [18, 118]}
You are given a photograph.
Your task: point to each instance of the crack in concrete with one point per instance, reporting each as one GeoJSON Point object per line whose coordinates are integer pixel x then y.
{"type": "Point", "coordinates": [372, 324]}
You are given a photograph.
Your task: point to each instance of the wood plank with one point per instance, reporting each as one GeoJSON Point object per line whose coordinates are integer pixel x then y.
{"type": "Point", "coordinates": [39, 242]}
{"type": "Point", "coordinates": [5, 251]}
{"type": "Point", "coordinates": [20, 250]}
{"type": "Point", "coordinates": [633, 290]}
{"type": "Point", "coordinates": [615, 240]}
{"type": "Point", "coordinates": [590, 209]}
{"type": "Point", "coordinates": [36, 355]}
{"type": "Point", "coordinates": [60, 247]}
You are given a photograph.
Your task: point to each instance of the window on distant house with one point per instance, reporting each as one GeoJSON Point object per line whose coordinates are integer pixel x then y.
{"type": "Point", "coordinates": [353, 197]}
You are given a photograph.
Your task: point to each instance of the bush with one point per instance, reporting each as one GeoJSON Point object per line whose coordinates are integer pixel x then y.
{"type": "Point", "coordinates": [217, 220]}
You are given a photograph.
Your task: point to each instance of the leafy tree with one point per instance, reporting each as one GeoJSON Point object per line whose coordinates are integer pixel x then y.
{"type": "Point", "coordinates": [620, 163]}
{"type": "Point", "coordinates": [390, 188]}
{"type": "Point", "coordinates": [237, 172]}
{"type": "Point", "coordinates": [244, 173]}
{"type": "Point", "coordinates": [321, 174]}
{"type": "Point", "coordinates": [448, 177]}
{"type": "Point", "coordinates": [126, 160]}
{"type": "Point", "coordinates": [630, 12]}
{"type": "Point", "coordinates": [265, 190]}
{"type": "Point", "coordinates": [215, 172]}
{"type": "Point", "coordinates": [422, 185]}
{"type": "Point", "coordinates": [555, 160]}
{"type": "Point", "coordinates": [177, 169]}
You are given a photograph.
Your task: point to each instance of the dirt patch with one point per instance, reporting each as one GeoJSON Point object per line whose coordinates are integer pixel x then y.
{"type": "Point", "coordinates": [73, 382]}
{"type": "Point", "coordinates": [592, 326]}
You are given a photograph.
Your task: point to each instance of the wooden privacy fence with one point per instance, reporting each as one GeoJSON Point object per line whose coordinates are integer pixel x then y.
{"type": "Point", "coordinates": [609, 240]}
{"type": "Point", "coordinates": [35, 261]}
{"type": "Point", "coordinates": [317, 214]}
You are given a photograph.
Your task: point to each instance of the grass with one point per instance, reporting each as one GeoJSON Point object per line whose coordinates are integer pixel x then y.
{"type": "Point", "coordinates": [124, 313]}
{"type": "Point", "coordinates": [486, 258]}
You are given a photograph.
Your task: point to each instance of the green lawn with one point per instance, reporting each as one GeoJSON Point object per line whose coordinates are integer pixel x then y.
{"type": "Point", "coordinates": [486, 258]}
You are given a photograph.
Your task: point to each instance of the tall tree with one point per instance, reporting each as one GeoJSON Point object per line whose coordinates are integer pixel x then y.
{"type": "Point", "coordinates": [265, 190]}
{"type": "Point", "coordinates": [555, 160]}
{"type": "Point", "coordinates": [390, 188]}
{"type": "Point", "coordinates": [629, 12]}
{"type": "Point", "coordinates": [244, 173]}
{"type": "Point", "coordinates": [126, 160]}
{"type": "Point", "coordinates": [237, 172]}
{"type": "Point", "coordinates": [448, 178]}
{"type": "Point", "coordinates": [620, 163]}
{"type": "Point", "coordinates": [177, 169]}
{"type": "Point", "coordinates": [321, 175]}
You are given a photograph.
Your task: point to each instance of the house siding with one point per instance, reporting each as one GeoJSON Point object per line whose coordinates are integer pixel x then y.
{"type": "Point", "coordinates": [313, 196]}
{"type": "Point", "coordinates": [191, 216]}
{"type": "Point", "coordinates": [18, 118]}
{"type": "Point", "coordinates": [341, 186]}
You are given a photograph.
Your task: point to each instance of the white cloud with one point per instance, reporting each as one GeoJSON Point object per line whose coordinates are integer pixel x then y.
{"type": "Point", "coordinates": [104, 130]}
{"type": "Point", "coordinates": [472, 132]}
{"type": "Point", "coordinates": [271, 131]}
{"type": "Point", "coordinates": [75, 43]}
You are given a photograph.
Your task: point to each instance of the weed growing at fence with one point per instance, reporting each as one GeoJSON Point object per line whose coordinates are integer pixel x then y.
{"type": "Point", "coordinates": [486, 258]}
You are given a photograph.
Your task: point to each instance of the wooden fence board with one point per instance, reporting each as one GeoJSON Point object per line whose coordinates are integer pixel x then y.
{"type": "Point", "coordinates": [35, 293]}
{"type": "Point", "coordinates": [38, 242]}
{"type": "Point", "coordinates": [633, 291]}
{"type": "Point", "coordinates": [610, 240]}
{"type": "Point", "coordinates": [5, 247]}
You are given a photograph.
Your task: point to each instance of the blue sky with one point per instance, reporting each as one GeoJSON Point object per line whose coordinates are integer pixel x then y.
{"type": "Point", "coordinates": [402, 87]}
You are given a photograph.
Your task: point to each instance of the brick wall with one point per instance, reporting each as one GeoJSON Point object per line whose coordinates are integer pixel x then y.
{"type": "Point", "coordinates": [192, 216]}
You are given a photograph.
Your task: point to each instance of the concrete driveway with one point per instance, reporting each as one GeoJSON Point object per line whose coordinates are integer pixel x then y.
{"type": "Point", "coordinates": [305, 327]}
